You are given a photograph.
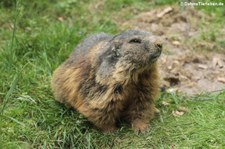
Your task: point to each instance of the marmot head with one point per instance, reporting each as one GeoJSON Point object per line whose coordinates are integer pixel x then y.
{"type": "Point", "coordinates": [127, 55]}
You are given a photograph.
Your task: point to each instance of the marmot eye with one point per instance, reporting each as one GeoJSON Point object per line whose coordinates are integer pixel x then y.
{"type": "Point", "coordinates": [135, 40]}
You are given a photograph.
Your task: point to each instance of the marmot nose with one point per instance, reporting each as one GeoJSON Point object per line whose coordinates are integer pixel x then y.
{"type": "Point", "coordinates": [158, 46]}
{"type": "Point", "coordinates": [157, 51]}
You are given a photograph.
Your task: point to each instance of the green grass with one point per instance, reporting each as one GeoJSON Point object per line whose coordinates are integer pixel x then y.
{"type": "Point", "coordinates": [37, 36]}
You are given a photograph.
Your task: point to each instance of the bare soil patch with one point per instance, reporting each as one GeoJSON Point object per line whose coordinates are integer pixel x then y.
{"type": "Point", "coordinates": [189, 64]}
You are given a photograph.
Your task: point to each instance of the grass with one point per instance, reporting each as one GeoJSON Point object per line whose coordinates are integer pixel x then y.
{"type": "Point", "coordinates": [35, 37]}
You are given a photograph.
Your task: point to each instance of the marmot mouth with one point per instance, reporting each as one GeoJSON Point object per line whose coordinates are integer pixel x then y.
{"type": "Point", "coordinates": [154, 56]}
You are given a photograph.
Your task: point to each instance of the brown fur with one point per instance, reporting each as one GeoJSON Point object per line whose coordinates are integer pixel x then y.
{"type": "Point", "coordinates": [81, 83]}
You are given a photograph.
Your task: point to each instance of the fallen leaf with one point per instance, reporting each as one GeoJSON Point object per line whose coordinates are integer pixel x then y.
{"type": "Point", "coordinates": [202, 66]}
{"type": "Point", "coordinates": [172, 90]}
{"type": "Point", "coordinates": [176, 62]}
{"type": "Point", "coordinates": [61, 19]}
{"type": "Point", "coordinates": [217, 62]}
{"type": "Point", "coordinates": [170, 67]}
{"type": "Point", "coordinates": [165, 11]}
{"type": "Point", "coordinates": [165, 103]}
{"type": "Point", "coordinates": [157, 110]}
{"type": "Point", "coordinates": [12, 26]}
{"type": "Point", "coordinates": [183, 77]}
{"type": "Point", "coordinates": [220, 79]}
{"type": "Point", "coordinates": [176, 43]}
{"type": "Point", "coordinates": [183, 109]}
{"type": "Point", "coordinates": [177, 113]}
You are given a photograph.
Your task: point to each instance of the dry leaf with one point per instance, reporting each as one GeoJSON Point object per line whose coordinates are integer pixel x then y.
{"type": "Point", "coordinates": [176, 43]}
{"type": "Point", "coordinates": [183, 77]}
{"type": "Point", "coordinates": [172, 90]}
{"type": "Point", "coordinates": [61, 19]}
{"type": "Point", "coordinates": [217, 62]}
{"type": "Point", "coordinates": [183, 109]}
{"type": "Point", "coordinates": [165, 103]}
{"type": "Point", "coordinates": [157, 110]}
{"type": "Point", "coordinates": [165, 11]}
{"type": "Point", "coordinates": [176, 62]}
{"type": "Point", "coordinates": [220, 79]}
{"type": "Point", "coordinates": [170, 67]}
{"type": "Point", "coordinates": [177, 113]}
{"type": "Point", "coordinates": [202, 66]}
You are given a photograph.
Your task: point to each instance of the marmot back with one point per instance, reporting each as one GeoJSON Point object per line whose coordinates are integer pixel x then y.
{"type": "Point", "coordinates": [111, 77]}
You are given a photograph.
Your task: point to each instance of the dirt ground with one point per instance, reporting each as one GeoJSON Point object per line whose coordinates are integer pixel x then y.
{"type": "Point", "coordinates": [189, 64]}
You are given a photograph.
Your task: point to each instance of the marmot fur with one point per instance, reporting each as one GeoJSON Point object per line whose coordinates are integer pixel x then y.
{"type": "Point", "coordinates": [109, 77]}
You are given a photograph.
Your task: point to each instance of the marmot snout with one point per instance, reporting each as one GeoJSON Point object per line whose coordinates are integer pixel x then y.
{"type": "Point", "coordinates": [110, 77]}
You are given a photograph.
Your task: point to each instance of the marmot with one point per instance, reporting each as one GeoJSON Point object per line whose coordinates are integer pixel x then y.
{"type": "Point", "coordinates": [108, 78]}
